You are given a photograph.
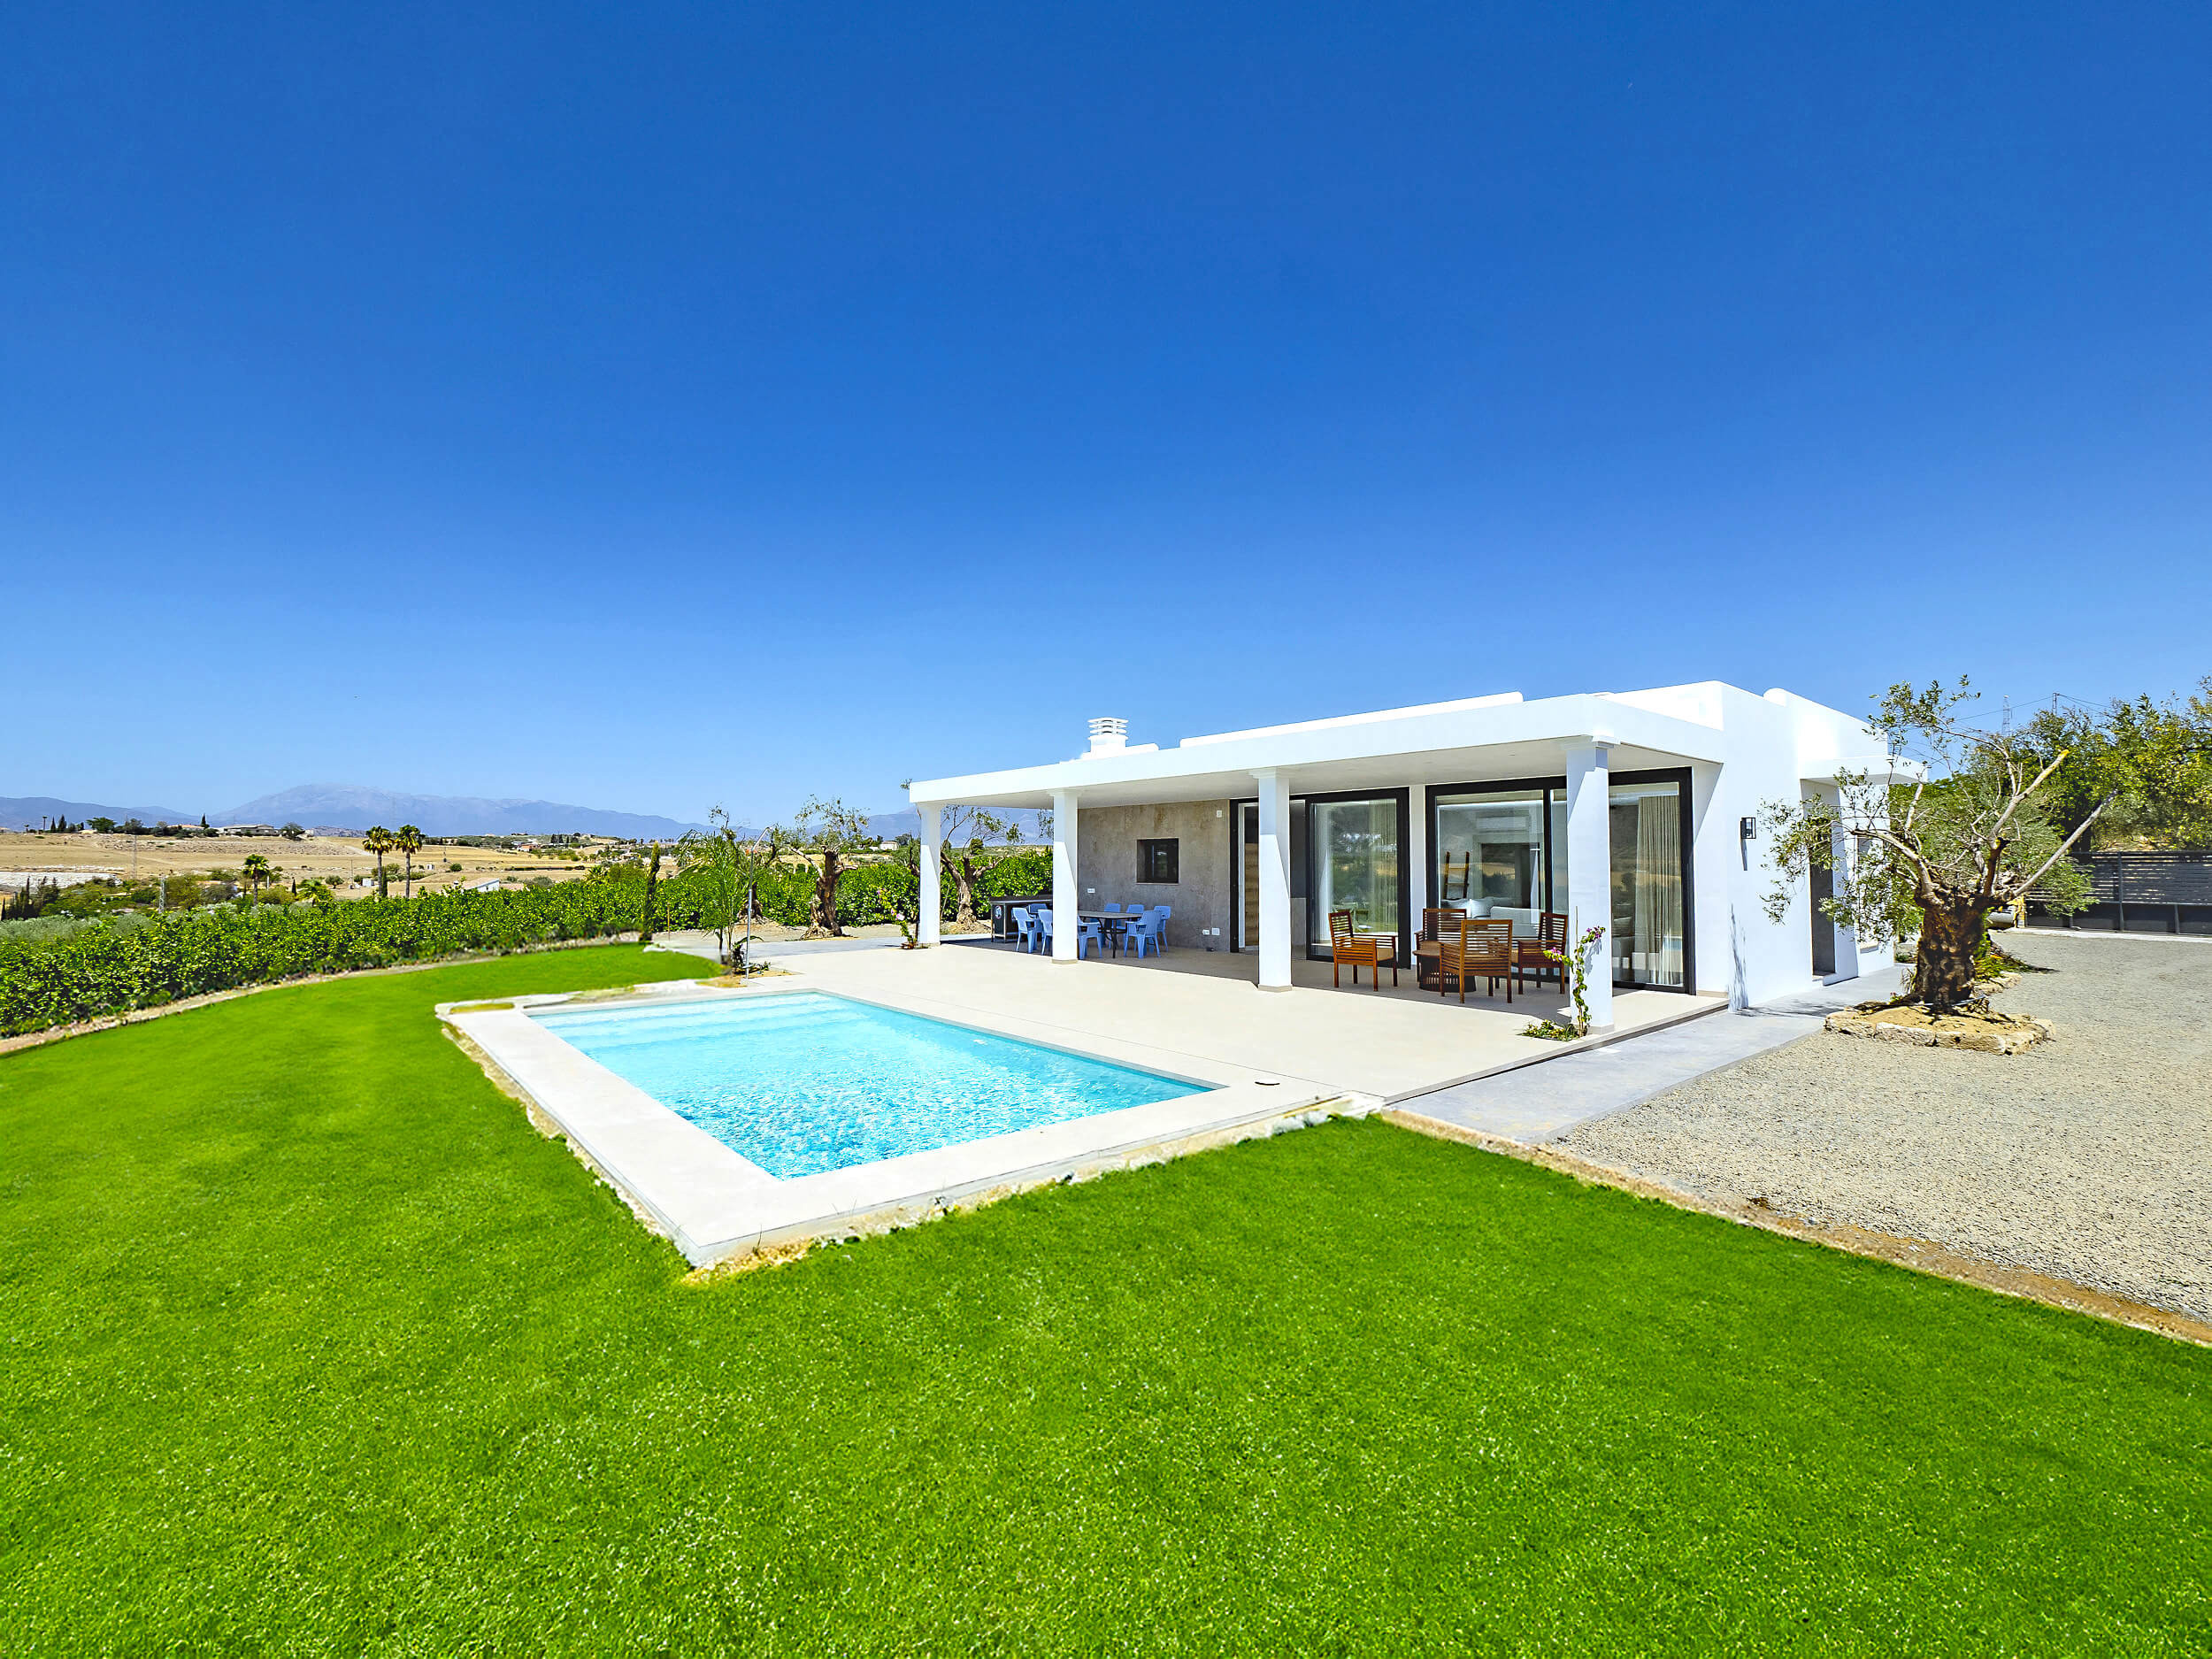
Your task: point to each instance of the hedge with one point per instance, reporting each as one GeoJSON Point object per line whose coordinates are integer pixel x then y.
{"type": "Point", "coordinates": [106, 969]}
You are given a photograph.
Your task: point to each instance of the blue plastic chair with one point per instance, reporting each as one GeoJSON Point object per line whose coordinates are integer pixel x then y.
{"type": "Point", "coordinates": [1090, 932]}
{"type": "Point", "coordinates": [1026, 926]}
{"type": "Point", "coordinates": [1043, 915]}
{"type": "Point", "coordinates": [1114, 910]}
{"type": "Point", "coordinates": [1162, 911]}
{"type": "Point", "coordinates": [1143, 932]}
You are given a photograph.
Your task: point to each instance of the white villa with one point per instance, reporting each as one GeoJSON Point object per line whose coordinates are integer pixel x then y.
{"type": "Point", "coordinates": [1636, 812]}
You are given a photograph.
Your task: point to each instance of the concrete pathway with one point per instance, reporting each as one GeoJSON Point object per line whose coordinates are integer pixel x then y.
{"type": "Point", "coordinates": [1542, 1102]}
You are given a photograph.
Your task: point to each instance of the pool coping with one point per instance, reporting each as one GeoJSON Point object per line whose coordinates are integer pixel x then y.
{"type": "Point", "coordinates": [714, 1203]}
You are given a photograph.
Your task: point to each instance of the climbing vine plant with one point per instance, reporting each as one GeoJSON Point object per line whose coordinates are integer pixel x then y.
{"type": "Point", "coordinates": [1576, 963]}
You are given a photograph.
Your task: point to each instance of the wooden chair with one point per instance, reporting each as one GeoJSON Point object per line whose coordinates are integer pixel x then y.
{"type": "Point", "coordinates": [1529, 954]}
{"type": "Point", "coordinates": [1436, 926]}
{"type": "Point", "coordinates": [1368, 950]}
{"type": "Point", "coordinates": [1483, 947]}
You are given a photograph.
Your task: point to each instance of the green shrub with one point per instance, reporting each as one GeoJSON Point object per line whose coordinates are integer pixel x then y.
{"type": "Point", "coordinates": [108, 966]}
{"type": "Point", "coordinates": [60, 969]}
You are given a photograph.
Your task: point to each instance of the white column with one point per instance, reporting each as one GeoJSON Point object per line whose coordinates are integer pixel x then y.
{"type": "Point", "coordinates": [1274, 791]}
{"type": "Point", "coordinates": [1590, 871]}
{"type": "Point", "coordinates": [1064, 920]}
{"type": "Point", "coordinates": [933, 880]}
{"type": "Point", "coordinates": [1413, 847]}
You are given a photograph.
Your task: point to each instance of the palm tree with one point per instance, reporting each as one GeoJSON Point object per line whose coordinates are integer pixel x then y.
{"type": "Point", "coordinates": [379, 840]}
{"type": "Point", "coordinates": [256, 869]}
{"type": "Point", "coordinates": [409, 841]}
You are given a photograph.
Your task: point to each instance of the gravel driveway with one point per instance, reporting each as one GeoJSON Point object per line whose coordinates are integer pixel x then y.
{"type": "Point", "coordinates": [2088, 1158]}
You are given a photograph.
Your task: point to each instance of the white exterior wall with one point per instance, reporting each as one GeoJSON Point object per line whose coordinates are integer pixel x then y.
{"type": "Point", "coordinates": [1759, 959]}
{"type": "Point", "coordinates": [1779, 748]}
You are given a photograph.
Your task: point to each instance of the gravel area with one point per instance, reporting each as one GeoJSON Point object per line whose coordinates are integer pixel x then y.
{"type": "Point", "coordinates": [2089, 1157]}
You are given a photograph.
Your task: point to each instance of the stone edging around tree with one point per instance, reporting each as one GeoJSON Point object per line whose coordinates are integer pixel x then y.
{"type": "Point", "coordinates": [1984, 1033]}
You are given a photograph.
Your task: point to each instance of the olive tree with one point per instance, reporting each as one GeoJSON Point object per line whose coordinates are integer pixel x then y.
{"type": "Point", "coordinates": [652, 893]}
{"type": "Point", "coordinates": [1937, 856]}
{"type": "Point", "coordinates": [966, 833]}
{"type": "Point", "coordinates": [722, 865]}
{"type": "Point", "coordinates": [828, 832]}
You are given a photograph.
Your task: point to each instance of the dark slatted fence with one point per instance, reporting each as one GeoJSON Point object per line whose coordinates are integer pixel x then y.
{"type": "Point", "coordinates": [2140, 893]}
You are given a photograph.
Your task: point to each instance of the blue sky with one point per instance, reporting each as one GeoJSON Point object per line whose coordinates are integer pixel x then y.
{"type": "Point", "coordinates": [647, 407]}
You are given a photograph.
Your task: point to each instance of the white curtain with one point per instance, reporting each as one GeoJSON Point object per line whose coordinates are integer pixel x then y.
{"type": "Point", "coordinates": [1658, 888]}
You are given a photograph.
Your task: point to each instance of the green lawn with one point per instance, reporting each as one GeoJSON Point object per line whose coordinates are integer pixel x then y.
{"type": "Point", "coordinates": [310, 1344]}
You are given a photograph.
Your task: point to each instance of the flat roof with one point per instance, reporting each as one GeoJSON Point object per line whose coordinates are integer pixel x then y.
{"type": "Point", "coordinates": [1500, 736]}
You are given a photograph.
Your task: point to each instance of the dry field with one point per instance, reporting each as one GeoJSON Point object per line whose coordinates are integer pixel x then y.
{"type": "Point", "coordinates": [337, 859]}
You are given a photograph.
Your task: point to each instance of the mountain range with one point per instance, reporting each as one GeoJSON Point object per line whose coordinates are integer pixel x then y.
{"type": "Point", "coordinates": [29, 811]}
{"type": "Point", "coordinates": [332, 805]}
{"type": "Point", "coordinates": [356, 808]}
{"type": "Point", "coordinates": [350, 807]}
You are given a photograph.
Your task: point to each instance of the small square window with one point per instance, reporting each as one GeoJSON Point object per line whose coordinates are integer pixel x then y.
{"type": "Point", "coordinates": [1158, 861]}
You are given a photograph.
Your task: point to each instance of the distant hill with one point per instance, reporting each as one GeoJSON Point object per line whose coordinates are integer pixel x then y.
{"type": "Point", "coordinates": [357, 808]}
{"type": "Point", "coordinates": [347, 808]}
{"type": "Point", "coordinates": [27, 811]}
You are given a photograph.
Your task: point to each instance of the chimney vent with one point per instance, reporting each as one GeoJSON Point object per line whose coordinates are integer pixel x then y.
{"type": "Point", "coordinates": [1109, 735]}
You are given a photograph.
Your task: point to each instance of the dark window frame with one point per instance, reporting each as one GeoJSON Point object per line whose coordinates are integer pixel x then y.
{"type": "Point", "coordinates": [1680, 776]}
{"type": "Point", "coordinates": [1147, 847]}
{"type": "Point", "coordinates": [1407, 923]}
{"type": "Point", "coordinates": [1557, 787]}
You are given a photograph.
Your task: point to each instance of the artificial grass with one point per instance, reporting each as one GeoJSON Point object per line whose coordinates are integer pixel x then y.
{"type": "Point", "coordinates": [310, 1344]}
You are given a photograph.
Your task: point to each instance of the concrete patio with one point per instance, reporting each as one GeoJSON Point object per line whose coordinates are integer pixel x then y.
{"type": "Point", "coordinates": [1199, 1006]}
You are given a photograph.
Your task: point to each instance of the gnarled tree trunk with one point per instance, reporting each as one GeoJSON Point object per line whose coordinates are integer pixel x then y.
{"type": "Point", "coordinates": [964, 891]}
{"type": "Point", "coordinates": [1943, 965]}
{"type": "Point", "coordinates": [822, 924]}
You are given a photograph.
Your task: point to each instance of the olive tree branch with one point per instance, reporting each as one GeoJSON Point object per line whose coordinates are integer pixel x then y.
{"type": "Point", "coordinates": [2044, 869]}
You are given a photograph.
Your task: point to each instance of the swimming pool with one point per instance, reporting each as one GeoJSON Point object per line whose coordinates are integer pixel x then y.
{"type": "Point", "coordinates": [802, 1083]}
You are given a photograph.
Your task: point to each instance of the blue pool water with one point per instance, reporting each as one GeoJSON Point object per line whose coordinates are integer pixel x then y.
{"type": "Point", "coordinates": [804, 1083]}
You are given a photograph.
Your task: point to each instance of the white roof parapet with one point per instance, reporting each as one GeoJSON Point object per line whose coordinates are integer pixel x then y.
{"type": "Point", "coordinates": [1334, 721]}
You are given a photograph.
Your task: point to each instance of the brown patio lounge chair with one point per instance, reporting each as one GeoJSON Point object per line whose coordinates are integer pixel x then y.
{"type": "Point", "coordinates": [1368, 950]}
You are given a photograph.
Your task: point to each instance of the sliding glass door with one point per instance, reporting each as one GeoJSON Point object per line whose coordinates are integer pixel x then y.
{"type": "Point", "coordinates": [1644, 820]}
{"type": "Point", "coordinates": [1352, 845]}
